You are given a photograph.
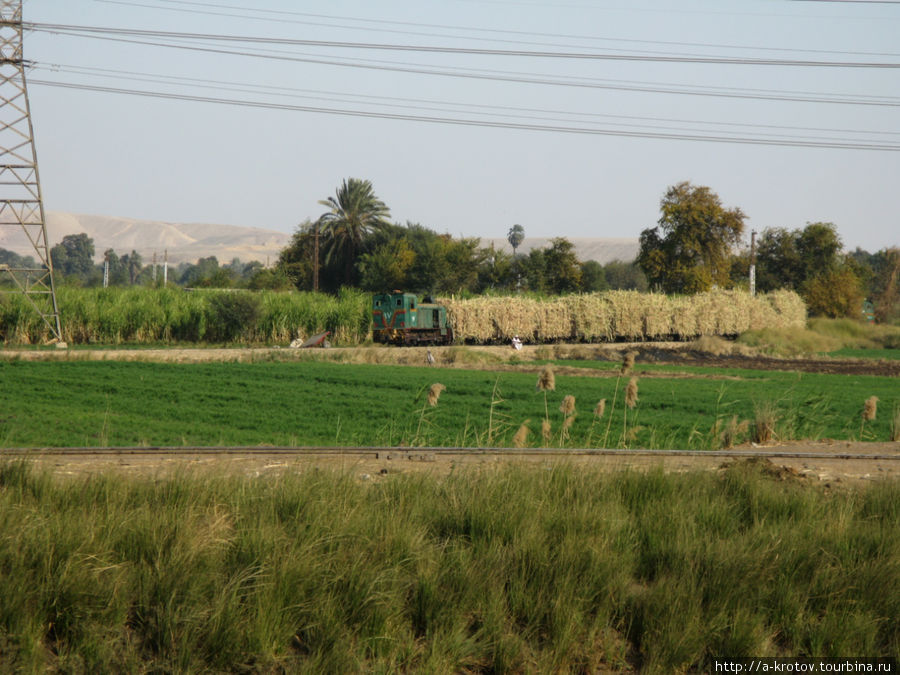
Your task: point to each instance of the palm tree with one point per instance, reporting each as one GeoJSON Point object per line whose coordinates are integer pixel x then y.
{"type": "Point", "coordinates": [515, 236]}
{"type": "Point", "coordinates": [354, 213]}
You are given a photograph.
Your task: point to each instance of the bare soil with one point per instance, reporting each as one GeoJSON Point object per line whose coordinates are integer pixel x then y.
{"type": "Point", "coordinates": [843, 462]}
{"type": "Point", "coordinates": [490, 357]}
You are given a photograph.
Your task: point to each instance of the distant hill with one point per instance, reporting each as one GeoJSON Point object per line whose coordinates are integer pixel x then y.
{"type": "Point", "coordinates": [187, 242]}
{"type": "Point", "coordinates": [603, 250]}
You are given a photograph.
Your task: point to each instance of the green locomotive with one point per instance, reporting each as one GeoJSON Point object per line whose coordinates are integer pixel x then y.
{"type": "Point", "coordinates": [398, 318]}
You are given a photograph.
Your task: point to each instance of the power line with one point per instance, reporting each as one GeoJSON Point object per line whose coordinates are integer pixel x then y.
{"type": "Point", "coordinates": [469, 51]}
{"type": "Point", "coordinates": [531, 78]}
{"type": "Point", "coordinates": [421, 104]}
{"type": "Point", "coordinates": [493, 31]}
{"type": "Point", "coordinates": [746, 140]}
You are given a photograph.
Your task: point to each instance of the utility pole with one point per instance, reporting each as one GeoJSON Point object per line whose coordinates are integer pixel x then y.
{"type": "Point", "coordinates": [166, 267]}
{"type": "Point", "coordinates": [21, 205]}
{"type": "Point", "coordinates": [752, 263]}
{"type": "Point", "coordinates": [106, 270]}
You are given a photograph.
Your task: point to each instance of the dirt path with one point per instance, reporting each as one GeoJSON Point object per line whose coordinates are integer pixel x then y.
{"type": "Point", "coordinates": [835, 462]}
{"type": "Point", "coordinates": [488, 357]}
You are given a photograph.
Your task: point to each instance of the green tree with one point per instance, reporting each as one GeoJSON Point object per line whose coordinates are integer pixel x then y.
{"type": "Point", "coordinates": [133, 263]}
{"type": "Point", "coordinates": [561, 266]}
{"type": "Point", "coordinates": [689, 250]}
{"type": "Point", "coordinates": [531, 271]}
{"type": "Point", "coordinates": [515, 236]}
{"type": "Point", "coordinates": [387, 267]}
{"type": "Point", "coordinates": [354, 213]}
{"type": "Point", "coordinates": [205, 268]}
{"type": "Point", "coordinates": [885, 287]}
{"type": "Point", "coordinates": [15, 260]}
{"type": "Point", "coordinates": [791, 258]}
{"type": "Point", "coordinates": [496, 271]}
{"type": "Point", "coordinates": [118, 272]}
{"type": "Point", "coordinates": [274, 279]}
{"type": "Point", "coordinates": [625, 276]}
{"type": "Point", "coordinates": [593, 278]}
{"type": "Point", "coordinates": [835, 293]}
{"type": "Point", "coordinates": [778, 261]}
{"type": "Point", "coordinates": [74, 255]}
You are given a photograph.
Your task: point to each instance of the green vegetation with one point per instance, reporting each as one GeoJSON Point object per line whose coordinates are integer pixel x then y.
{"type": "Point", "coordinates": [837, 337]}
{"type": "Point", "coordinates": [300, 402]}
{"type": "Point", "coordinates": [138, 315]}
{"type": "Point", "coordinates": [557, 569]}
{"type": "Point", "coordinates": [689, 251]}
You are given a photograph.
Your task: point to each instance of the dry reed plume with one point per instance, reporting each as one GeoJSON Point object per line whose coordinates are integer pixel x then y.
{"type": "Point", "coordinates": [600, 408]}
{"type": "Point", "coordinates": [631, 393]}
{"type": "Point", "coordinates": [546, 381]}
{"type": "Point", "coordinates": [628, 362]}
{"type": "Point", "coordinates": [567, 407]}
{"type": "Point", "coordinates": [434, 393]}
{"type": "Point", "coordinates": [521, 437]}
{"type": "Point", "coordinates": [546, 430]}
{"type": "Point", "coordinates": [870, 409]}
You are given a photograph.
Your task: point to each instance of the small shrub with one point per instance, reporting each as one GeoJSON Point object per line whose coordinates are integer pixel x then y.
{"type": "Point", "coordinates": [230, 315]}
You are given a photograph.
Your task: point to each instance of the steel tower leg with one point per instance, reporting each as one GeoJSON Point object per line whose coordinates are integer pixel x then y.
{"type": "Point", "coordinates": [21, 205]}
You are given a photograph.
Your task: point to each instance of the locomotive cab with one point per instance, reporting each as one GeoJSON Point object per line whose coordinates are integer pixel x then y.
{"type": "Point", "coordinates": [399, 318]}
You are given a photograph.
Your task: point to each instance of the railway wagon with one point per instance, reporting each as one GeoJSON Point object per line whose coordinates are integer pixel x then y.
{"type": "Point", "coordinates": [398, 318]}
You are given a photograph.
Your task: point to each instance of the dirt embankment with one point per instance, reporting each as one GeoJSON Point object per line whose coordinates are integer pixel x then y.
{"type": "Point", "coordinates": [726, 355]}
{"type": "Point", "coordinates": [749, 362]}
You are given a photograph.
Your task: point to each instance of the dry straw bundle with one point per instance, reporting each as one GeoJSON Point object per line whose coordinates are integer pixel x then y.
{"type": "Point", "coordinates": [628, 315]}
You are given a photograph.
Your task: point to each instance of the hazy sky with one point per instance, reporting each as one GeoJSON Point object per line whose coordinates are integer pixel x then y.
{"type": "Point", "coordinates": [190, 161]}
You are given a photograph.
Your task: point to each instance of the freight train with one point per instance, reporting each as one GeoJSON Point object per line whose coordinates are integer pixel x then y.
{"type": "Point", "coordinates": [398, 318]}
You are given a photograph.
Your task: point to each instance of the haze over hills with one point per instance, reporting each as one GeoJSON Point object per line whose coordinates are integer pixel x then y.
{"type": "Point", "coordinates": [602, 249]}
{"type": "Point", "coordinates": [184, 242]}
{"type": "Point", "coordinates": [187, 242]}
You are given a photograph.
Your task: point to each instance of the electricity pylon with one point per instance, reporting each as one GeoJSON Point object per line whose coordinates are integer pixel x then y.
{"type": "Point", "coordinates": [21, 206]}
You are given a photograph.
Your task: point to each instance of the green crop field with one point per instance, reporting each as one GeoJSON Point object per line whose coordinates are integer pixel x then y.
{"type": "Point", "coordinates": [89, 403]}
{"type": "Point", "coordinates": [507, 571]}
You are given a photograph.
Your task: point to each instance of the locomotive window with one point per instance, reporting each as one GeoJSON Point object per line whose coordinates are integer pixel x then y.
{"type": "Point", "coordinates": [399, 302]}
{"type": "Point", "coordinates": [412, 303]}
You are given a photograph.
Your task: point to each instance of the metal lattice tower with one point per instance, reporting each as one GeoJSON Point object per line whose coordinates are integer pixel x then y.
{"type": "Point", "coordinates": [21, 206]}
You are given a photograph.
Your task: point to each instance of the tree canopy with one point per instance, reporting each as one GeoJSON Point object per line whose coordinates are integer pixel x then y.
{"type": "Point", "coordinates": [354, 212]}
{"type": "Point", "coordinates": [515, 236]}
{"type": "Point", "coordinates": [74, 255]}
{"type": "Point", "coordinates": [689, 250]}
